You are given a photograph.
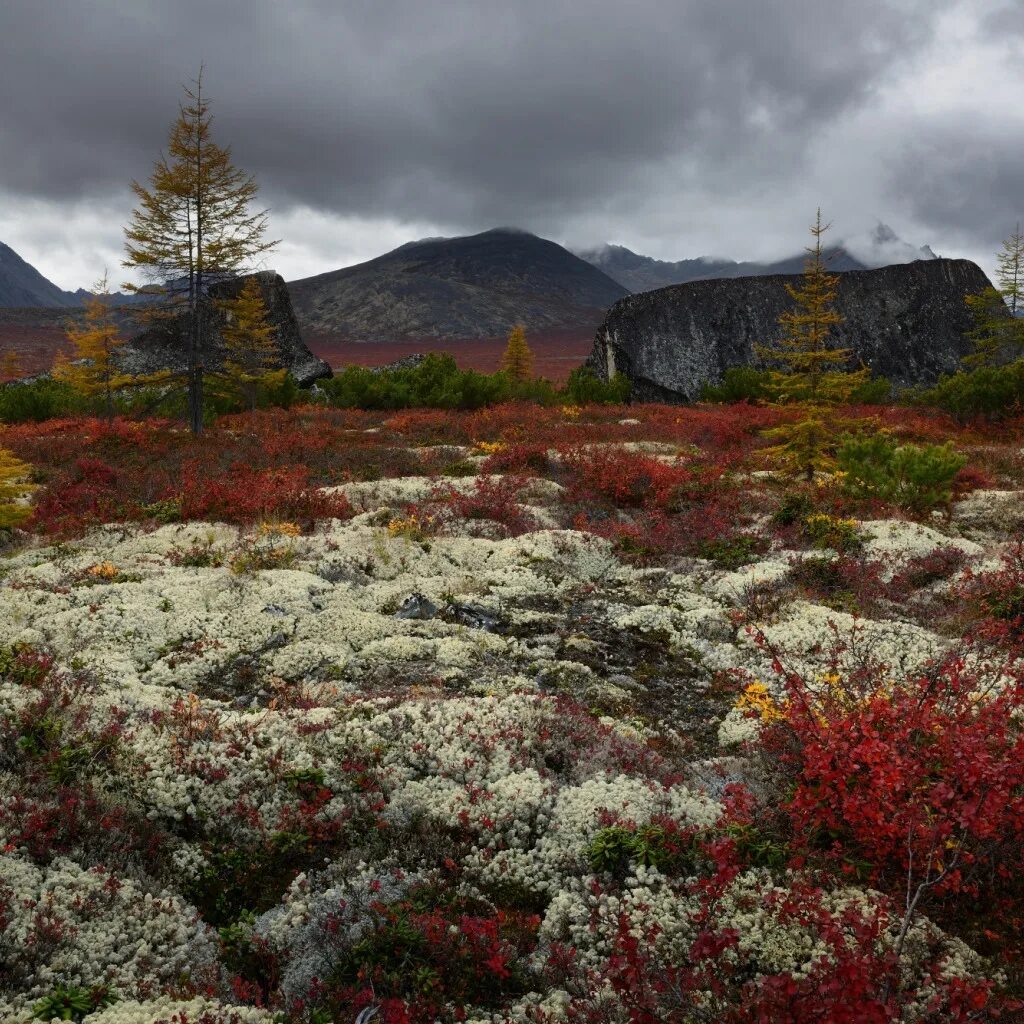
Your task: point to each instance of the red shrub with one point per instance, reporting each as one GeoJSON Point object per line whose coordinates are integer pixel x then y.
{"type": "Point", "coordinates": [916, 785]}
{"type": "Point", "coordinates": [624, 479]}
{"type": "Point", "coordinates": [519, 457]}
{"type": "Point", "coordinates": [492, 499]}
{"type": "Point", "coordinates": [245, 495]}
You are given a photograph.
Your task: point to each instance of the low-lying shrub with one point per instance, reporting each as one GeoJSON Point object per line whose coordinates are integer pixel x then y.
{"type": "Point", "coordinates": [991, 392]}
{"type": "Point", "coordinates": [37, 400]}
{"type": "Point", "coordinates": [750, 384]}
{"type": "Point", "coordinates": [916, 477]}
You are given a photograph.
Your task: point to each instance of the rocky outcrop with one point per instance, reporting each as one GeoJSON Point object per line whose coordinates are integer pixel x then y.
{"type": "Point", "coordinates": [905, 322]}
{"type": "Point", "coordinates": [165, 347]}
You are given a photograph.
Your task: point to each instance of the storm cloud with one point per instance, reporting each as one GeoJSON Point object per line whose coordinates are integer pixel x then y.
{"type": "Point", "coordinates": [678, 127]}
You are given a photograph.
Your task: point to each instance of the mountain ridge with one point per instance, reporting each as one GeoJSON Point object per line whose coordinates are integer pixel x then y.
{"type": "Point", "coordinates": [879, 248]}
{"type": "Point", "coordinates": [469, 286]}
{"type": "Point", "coordinates": [21, 285]}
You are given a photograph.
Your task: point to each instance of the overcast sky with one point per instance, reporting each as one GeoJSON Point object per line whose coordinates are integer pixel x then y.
{"type": "Point", "coordinates": [676, 127]}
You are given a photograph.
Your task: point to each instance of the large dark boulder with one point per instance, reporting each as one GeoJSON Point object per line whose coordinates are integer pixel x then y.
{"type": "Point", "coordinates": [165, 347]}
{"type": "Point", "coordinates": [906, 322]}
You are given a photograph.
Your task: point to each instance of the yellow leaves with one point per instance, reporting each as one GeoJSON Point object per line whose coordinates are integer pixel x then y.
{"type": "Point", "coordinates": [757, 702]}
{"type": "Point", "coordinates": [14, 489]}
{"type": "Point", "coordinates": [94, 372]}
{"type": "Point", "coordinates": [102, 571]}
{"type": "Point", "coordinates": [488, 447]}
{"type": "Point", "coordinates": [571, 412]}
{"type": "Point", "coordinates": [810, 370]}
{"type": "Point", "coordinates": [411, 527]}
{"type": "Point", "coordinates": [279, 530]}
{"type": "Point", "coordinates": [517, 361]}
{"type": "Point", "coordinates": [250, 339]}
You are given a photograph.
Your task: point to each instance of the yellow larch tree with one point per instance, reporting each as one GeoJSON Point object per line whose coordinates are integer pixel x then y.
{"type": "Point", "coordinates": [810, 370]}
{"type": "Point", "coordinates": [252, 354]}
{"type": "Point", "coordinates": [93, 372]}
{"type": "Point", "coordinates": [10, 367]}
{"type": "Point", "coordinates": [517, 360]}
{"type": "Point", "coordinates": [193, 226]}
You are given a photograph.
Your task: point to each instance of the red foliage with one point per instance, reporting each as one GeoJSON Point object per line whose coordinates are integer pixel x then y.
{"type": "Point", "coordinates": [907, 784]}
{"type": "Point", "coordinates": [246, 495]}
{"type": "Point", "coordinates": [624, 479]}
{"type": "Point", "coordinates": [491, 499]}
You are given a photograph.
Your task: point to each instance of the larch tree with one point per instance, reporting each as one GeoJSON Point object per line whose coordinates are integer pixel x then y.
{"type": "Point", "coordinates": [252, 352]}
{"type": "Point", "coordinates": [10, 366]}
{"type": "Point", "coordinates": [997, 336]}
{"type": "Point", "coordinates": [94, 373]}
{"type": "Point", "coordinates": [193, 225]}
{"type": "Point", "coordinates": [810, 370]}
{"type": "Point", "coordinates": [517, 360]}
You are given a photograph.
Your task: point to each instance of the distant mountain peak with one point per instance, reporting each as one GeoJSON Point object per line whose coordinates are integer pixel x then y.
{"type": "Point", "coordinates": [21, 285]}
{"type": "Point", "coordinates": [471, 286]}
{"type": "Point", "coordinates": [877, 248]}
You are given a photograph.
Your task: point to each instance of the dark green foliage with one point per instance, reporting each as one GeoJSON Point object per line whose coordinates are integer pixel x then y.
{"type": "Point", "coordinates": [438, 383]}
{"type": "Point", "coordinates": [435, 383]}
{"type": "Point", "coordinates": [42, 399]}
{"type": "Point", "coordinates": [738, 384]}
{"type": "Point", "coordinates": [251, 879]}
{"type": "Point", "coordinates": [72, 1002]}
{"type": "Point", "coordinates": [757, 848]}
{"type": "Point", "coordinates": [584, 387]}
{"type": "Point", "coordinates": [750, 384]}
{"type": "Point", "coordinates": [615, 848]}
{"type": "Point", "coordinates": [919, 478]}
{"type": "Point", "coordinates": [991, 392]}
{"type": "Point", "coordinates": [818, 575]}
{"type": "Point", "coordinates": [795, 507]}
{"type": "Point", "coordinates": [733, 552]}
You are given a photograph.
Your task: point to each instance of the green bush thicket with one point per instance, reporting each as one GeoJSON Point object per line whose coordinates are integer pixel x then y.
{"type": "Point", "coordinates": [917, 477]}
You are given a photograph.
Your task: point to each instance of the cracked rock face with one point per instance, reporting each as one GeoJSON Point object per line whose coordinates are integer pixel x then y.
{"type": "Point", "coordinates": [905, 322]}
{"type": "Point", "coordinates": [157, 348]}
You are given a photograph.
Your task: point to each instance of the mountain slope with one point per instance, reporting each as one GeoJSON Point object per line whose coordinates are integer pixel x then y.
{"type": "Point", "coordinates": [882, 247]}
{"type": "Point", "coordinates": [22, 285]}
{"type": "Point", "coordinates": [644, 273]}
{"type": "Point", "coordinates": [476, 286]}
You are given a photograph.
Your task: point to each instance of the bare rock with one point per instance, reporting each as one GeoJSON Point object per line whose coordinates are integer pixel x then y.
{"type": "Point", "coordinates": [905, 322]}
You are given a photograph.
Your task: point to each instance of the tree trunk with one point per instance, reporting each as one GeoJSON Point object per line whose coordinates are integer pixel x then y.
{"type": "Point", "coordinates": [195, 369]}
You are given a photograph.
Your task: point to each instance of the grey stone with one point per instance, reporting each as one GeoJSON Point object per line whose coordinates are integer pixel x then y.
{"type": "Point", "coordinates": [160, 348]}
{"type": "Point", "coordinates": [905, 322]}
{"type": "Point", "coordinates": [416, 606]}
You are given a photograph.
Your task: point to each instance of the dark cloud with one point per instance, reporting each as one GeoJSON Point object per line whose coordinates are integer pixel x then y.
{"type": "Point", "coordinates": [966, 177]}
{"type": "Point", "coordinates": [677, 127]}
{"type": "Point", "coordinates": [456, 112]}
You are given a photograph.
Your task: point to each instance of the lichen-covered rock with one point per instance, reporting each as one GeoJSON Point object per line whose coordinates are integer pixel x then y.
{"type": "Point", "coordinates": [905, 322]}
{"type": "Point", "coordinates": [165, 348]}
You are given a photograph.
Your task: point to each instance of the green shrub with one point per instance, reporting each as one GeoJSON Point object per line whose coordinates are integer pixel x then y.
{"type": "Point", "coordinates": [826, 531]}
{"type": "Point", "coordinates": [72, 1002]}
{"type": "Point", "coordinates": [438, 383]}
{"type": "Point", "coordinates": [435, 383]}
{"type": "Point", "coordinates": [615, 848]}
{"type": "Point", "coordinates": [918, 478]}
{"type": "Point", "coordinates": [795, 507]}
{"type": "Point", "coordinates": [38, 400]}
{"type": "Point", "coordinates": [738, 384]}
{"type": "Point", "coordinates": [750, 384]}
{"type": "Point", "coordinates": [734, 552]}
{"type": "Point", "coordinates": [992, 392]}
{"type": "Point", "coordinates": [584, 387]}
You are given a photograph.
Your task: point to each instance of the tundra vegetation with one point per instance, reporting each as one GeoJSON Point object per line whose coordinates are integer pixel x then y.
{"type": "Point", "coordinates": [530, 712]}
{"type": "Point", "coordinates": [533, 707]}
